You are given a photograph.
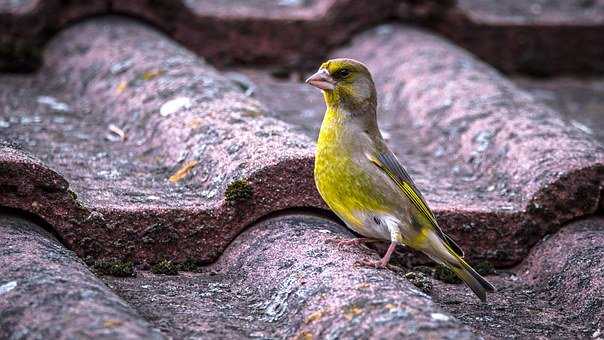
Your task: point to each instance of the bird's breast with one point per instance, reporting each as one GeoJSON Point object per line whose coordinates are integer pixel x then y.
{"type": "Point", "coordinates": [345, 185]}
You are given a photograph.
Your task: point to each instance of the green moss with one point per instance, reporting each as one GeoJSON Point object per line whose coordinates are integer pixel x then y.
{"type": "Point", "coordinates": [165, 267]}
{"type": "Point", "coordinates": [72, 194]}
{"type": "Point", "coordinates": [429, 271]}
{"type": "Point", "coordinates": [117, 268]}
{"type": "Point", "coordinates": [237, 191]}
{"type": "Point", "coordinates": [280, 73]}
{"type": "Point", "coordinates": [420, 280]}
{"type": "Point", "coordinates": [252, 113]}
{"type": "Point", "coordinates": [189, 265]}
{"type": "Point", "coordinates": [446, 275]}
{"type": "Point", "coordinates": [485, 268]}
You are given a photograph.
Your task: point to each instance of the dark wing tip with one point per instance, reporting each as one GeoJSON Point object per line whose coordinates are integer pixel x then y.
{"type": "Point", "coordinates": [454, 246]}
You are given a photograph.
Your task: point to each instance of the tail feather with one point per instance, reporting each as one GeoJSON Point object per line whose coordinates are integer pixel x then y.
{"type": "Point", "coordinates": [442, 252]}
{"type": "Point", "coordinates": [479, 285]}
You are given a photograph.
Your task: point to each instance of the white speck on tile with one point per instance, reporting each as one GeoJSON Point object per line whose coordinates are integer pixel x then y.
{"type": "Point", "coordinates": [174, 105]}
{"type": "Point", "coordinates": [582, 127]}
{"type": "Point", "coordinates": [7, 287]}
{"type": "Point", "coordinates": [53, 103]}
{"type": "Point", "coordinates": [439, 317]}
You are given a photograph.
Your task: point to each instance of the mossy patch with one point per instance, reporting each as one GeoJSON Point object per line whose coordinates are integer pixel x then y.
{"type": "Point", "coordinates": [72, 195]}
{"type": "Point", "coordinates": [238, 191]}
{"type": "Point", "coordinates": [280, 73]}
{"type": "Point", "coordinates": [117, 268]}
{"type": "Point", "coordinates": [446, 275]}
{"type": "Point", "coordinates": [420, 280]}
{"type": "Point", "coordinates": [189, 265]}
{"type": "Point", "coordinates": [429, 271]}
{"type": "Point", "coordinates": [485, 268]}
{"type": "Point", "coordinates": [165, 267]}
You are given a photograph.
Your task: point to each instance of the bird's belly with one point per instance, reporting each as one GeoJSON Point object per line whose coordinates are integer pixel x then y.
{"type": "Point", "coordinates": [352, 195]}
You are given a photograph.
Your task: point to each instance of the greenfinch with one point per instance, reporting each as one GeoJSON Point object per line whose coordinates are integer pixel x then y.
{"type": "Point", "coordinates": [362, 181]}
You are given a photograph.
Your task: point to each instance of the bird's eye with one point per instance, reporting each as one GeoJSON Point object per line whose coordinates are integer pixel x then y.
{"type": "Point", "coordinates": [342, 73]}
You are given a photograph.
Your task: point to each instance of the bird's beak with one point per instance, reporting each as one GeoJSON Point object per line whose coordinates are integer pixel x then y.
{"type": "Point", "coordinates": [322, 80]}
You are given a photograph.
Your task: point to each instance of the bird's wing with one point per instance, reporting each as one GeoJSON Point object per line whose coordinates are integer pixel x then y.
{"type": "Point", "coordinates": [387, 162]}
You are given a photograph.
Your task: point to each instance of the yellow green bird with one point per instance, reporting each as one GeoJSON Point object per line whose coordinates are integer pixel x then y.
{"type": "Point", "coordinates": [364, 184]}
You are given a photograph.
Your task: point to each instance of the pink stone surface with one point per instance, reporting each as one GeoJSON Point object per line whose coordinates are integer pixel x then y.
{"type": "Point", "coordinates": [281, 279]}
{"type": "Point", "coordinates": [499, 168]}
{"type": "Point", "coordinates": [579, 101]}
{"type": "Point", "coordinates": [543, 38]}
{"type": "Point", "coordinates": [46, 292]}
{"type": "Point", "coordinates": [126, 205]}
{"type": "Point", "coordinates": [555, 293]}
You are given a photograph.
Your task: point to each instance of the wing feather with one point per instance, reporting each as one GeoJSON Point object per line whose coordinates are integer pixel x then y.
{"type": "Point", "coordinates": [387, 162]}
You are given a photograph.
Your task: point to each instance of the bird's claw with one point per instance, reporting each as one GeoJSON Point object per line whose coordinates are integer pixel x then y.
{"type": "Point", "coordinates": [378, 264]}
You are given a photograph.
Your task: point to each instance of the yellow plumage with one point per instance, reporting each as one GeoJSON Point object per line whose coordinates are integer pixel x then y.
{"type": "Point", "coordinates": [362, 181]}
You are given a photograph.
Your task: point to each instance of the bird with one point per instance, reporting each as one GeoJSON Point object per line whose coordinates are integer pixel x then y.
{"type": "Point", "coordinates": [363, 182]}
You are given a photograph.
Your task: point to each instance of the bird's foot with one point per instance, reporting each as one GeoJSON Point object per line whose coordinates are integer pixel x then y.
{"type": "Point", "coordinates": [349, 242]}
{"type": "Point", "coordinates": [381, 263]}
{"type": "Point", "coordinates": [378, 264]}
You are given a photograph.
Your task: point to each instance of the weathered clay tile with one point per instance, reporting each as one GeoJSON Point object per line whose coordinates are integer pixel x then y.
{"type": "Point", "coordinates": [539, 38]}
{"type": "Point", "coordinates": [555, 293]}
{"type": "Point", "coordinates": [224, 32]}
{"type": "Point", "coordinates": [150, 139]}
{"type": "Point", "coordinates": [127, 146]}
{"type": "Point", "coordinates": [491, 177]}
{"type": "Point", "coordinates": [282, 279]}
{"type": "Point", "coordinates": [550, 37]}
{"type": "Point", "coordinates": [580, 101]}
{"type": "Point", "coordinates": [46, 292]}
{"type": "Point", "coordinates": [500, 169]}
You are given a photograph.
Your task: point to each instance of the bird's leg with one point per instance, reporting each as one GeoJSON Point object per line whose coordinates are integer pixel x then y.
{"type": "Point", "coordinates": [380, 263]}
{"type": "Point", "coordinates": [351, 242]}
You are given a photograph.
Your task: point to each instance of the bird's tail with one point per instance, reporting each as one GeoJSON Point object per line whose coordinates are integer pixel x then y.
{"type": "Point", "coordinates": [479, 285]}
{"type": "Point", "coordinates": [442, 252]}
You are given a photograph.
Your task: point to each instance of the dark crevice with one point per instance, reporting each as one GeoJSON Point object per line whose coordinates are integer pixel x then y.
{"type": "Point", "coordinates": [35, 219]}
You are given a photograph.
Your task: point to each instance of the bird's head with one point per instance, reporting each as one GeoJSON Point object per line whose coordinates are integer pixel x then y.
{"type": "Point", "coordinates": [346, 85]}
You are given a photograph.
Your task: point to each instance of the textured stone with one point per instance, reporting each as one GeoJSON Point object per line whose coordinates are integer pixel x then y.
{"type": "Point", "coordinates": [544, 38]}
{"type": "Point", "coordinates": [555, 293]}
{"type": "Point", "coordinates": [580, 101]}
{"type": "Point", "coordinates": [126, 146]}
{"type": "Point", "coordinates": [225, 32]}
{"type": "Point", "coordinates": [159, 126]}
{"type": "Point", "coordinates": [149, 138]}
{"type": "Point", "coordinates": [46, 292]}
{"type": "Point", "coordinates": [550, 12]}
{"type": "Point", "coordinates": [282, 279]}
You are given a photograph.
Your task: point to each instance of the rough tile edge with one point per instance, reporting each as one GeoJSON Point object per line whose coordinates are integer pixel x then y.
{"type": "Point", "coordinates": [75, 303]}
{"type": "Point", "coordinates": [298, 40]}
{"type": "Point", "coordinates": [126, 234]}
{"type": "Point", "coordinates": [284, 41]}
{"type": "Point", "coordinates": [538, 49]}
